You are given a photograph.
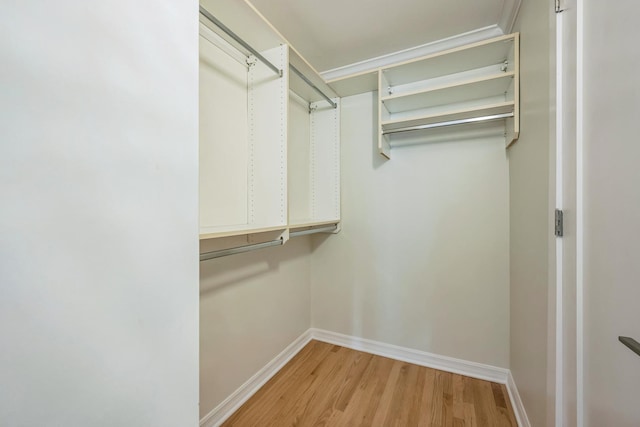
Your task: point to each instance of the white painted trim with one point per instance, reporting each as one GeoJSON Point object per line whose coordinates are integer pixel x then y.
{"type": "Point", "coordinates": [373, 64]}
{"type": "Point", "coordinates": [509, 15]}
{"type": "Point", "coordinates": [417, 357]}
{"type": "Point", "coordinates": [231, 404]}
{"type": "Point", "coordinates": [579, 214]}
{"type": "Point", "coordinates": [559, 362]}
{"type": "Point", "coordinates": [516, 403]}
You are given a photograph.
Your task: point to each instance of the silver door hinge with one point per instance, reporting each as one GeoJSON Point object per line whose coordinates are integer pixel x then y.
{"type": "Point", "coordinates": [559, 223]}
{"type": "Point", "coordinates": [559, 6]}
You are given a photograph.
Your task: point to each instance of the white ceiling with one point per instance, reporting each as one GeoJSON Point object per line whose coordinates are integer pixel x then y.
{"type": "Point", "coordinates": [335, 33]}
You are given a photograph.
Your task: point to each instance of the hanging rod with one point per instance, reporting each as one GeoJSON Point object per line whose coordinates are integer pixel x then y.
{"type": "Point", "coordinates": [328, 229]}
{"type": "Point", "coordinates": [631, 343]}
{"type": "Point", "coordinates": [204, 12]}
{"type": "Point", "coordinates": [450, 123]}
{"type": "Point", "coordinates": [314, 87]}
{"type": "Point", "coordinates": [240, 249]}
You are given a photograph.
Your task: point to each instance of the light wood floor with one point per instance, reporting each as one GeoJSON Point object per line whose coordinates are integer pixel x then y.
{"type": "Point", "coordinates": [328, 385]}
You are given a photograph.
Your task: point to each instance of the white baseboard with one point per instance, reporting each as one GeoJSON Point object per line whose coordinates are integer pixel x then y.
{"type": "Point", "coordinates": [422, 358]}
{"type": "Point", "coordinates": [231, 404]}
{"type": "Point", "coordinates": [516, 403]}
{"type": "Point", "coordinates": [449, 364]}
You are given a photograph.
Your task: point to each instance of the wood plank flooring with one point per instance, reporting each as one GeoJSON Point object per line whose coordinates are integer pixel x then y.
{"type": "Point", "coordinates": [328, 385]}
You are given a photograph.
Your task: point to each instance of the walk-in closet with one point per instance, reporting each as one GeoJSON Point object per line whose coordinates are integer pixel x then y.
{"type": "Point", "coordinates": [288, 212]}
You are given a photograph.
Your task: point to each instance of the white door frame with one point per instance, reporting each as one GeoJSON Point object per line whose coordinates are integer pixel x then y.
{"type": "Point", "coordinates": [569, 397]}
{"type": "Point", "coordinates": [559, 264]}
{"type": "Point", "coordinates": [579, 214]}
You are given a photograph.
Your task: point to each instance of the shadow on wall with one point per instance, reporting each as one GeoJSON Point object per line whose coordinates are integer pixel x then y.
{"type": "Point", "coordinates": [217, 274]}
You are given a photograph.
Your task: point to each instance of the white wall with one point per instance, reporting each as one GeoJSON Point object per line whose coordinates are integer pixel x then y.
{"type": "Point", "coordinates": [98, 225]}
{"type": "Point", "coordinates": [611, 212]}
{"type": "Point", "coordinates": [422, 260]}
{"type": "Point", "coordinates": [529, 212]}
{"type": "Point", "coordinates": [252, 306]}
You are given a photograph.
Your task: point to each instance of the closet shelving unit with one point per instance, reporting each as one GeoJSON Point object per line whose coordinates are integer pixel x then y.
{"type": "Point", "coordinates": [470, 85]}
{"type": "Point", "coordinates": [269, 156]}
{"type": "Point", "coordinates": [314, 151]}
{"type": "Point", "coordinates": [243, 136]}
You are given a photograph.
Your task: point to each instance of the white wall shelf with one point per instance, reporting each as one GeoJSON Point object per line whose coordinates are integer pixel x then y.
{"type": "Point", "coordinates": [448, 115]}
{"type": "Point", "coordinates": [466, 85]}
{"type": "Point", "coordinates": [449, 94]}
{"type": "Point", "coordinates": [489, 53]}
{"type": "Point", "coordinates": [217, 232]}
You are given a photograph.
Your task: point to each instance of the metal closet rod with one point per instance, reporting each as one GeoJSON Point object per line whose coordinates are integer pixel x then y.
{"type": "Point", "coordinates": [240, 249]}
{"type": "Point", "coordinates": [450, 123]}
{"type": "Point", "coordinates": [328, 229]}
{"type": "Point", "coordinates": [278, 242]}
{"type": "Point", "coordinates": [204, 12]}
{"type": "Point", "coordinates": [314, 87]}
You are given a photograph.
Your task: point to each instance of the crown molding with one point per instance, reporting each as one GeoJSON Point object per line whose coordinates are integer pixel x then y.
{"type": "Point", "coordinates": [509, 15]}
{"type": "Point", "coordinates": [373, 64]}
{"type": "Point", "coordinates": [505, 24]}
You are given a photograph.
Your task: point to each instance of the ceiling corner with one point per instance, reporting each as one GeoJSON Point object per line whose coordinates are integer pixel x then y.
{"type": "Point", "coordinates": [508, 15]}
